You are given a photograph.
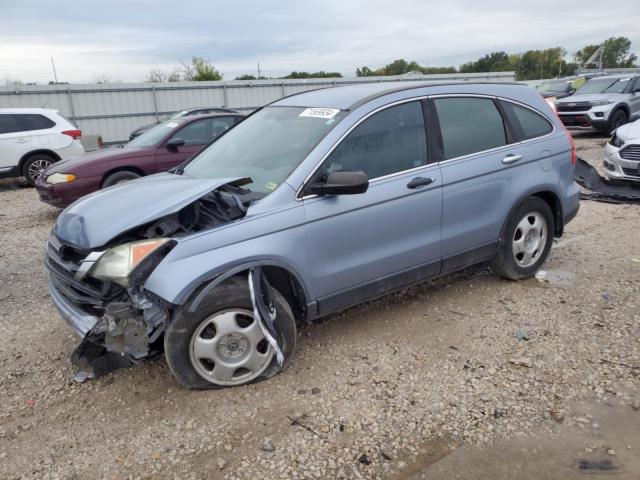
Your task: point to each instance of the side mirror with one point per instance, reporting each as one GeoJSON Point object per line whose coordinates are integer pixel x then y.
{"type": "Point", "coordinates": [341, 183]}
{"type": "Point", "coordinates": [174, 143]}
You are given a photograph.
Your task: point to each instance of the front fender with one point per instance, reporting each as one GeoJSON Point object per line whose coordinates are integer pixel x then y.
{"type": "Point", "coordinates": [277, 240]}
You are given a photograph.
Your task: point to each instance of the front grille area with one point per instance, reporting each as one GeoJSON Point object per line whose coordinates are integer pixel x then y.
{"type": "Point", "coordinates": [574, 107]}
{"type": "Point", "coordinates": [89, 294]}
{"type": "Point", "coordinates": [576, 120]}
{"type": "Point", "coordinates": [631, 152]}
{"type": "Point", "coordinates": [632, 172]}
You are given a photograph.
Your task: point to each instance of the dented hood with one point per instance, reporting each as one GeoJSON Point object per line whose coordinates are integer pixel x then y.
{"type": "Point", "coordinates": [94, 220]}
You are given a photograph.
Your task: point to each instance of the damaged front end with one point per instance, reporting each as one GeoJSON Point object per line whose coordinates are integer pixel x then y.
{"type": "Point", "coordinates": [100, 292]}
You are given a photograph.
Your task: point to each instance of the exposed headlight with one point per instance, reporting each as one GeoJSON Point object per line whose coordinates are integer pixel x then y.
{"type": "Point", "coordinates": [595, 103]}
{"type": "Point", "coordinates": [117, 263]}
{"type": "Point", "coordinates": [56, 178]}
{"type": "Point", "coordinates": [616, 141]}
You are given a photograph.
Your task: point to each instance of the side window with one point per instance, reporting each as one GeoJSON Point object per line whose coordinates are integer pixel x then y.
{"type": "Point", "coordinates": [526, 123]}
{"type": "Point", "coordinates": [469, 125]}
{"type": "Point", "coordinates": [9, 124]}
{"type": "Point", "coordinates": [196, 133]}
{"type": "Point", "coordinates": [390, 141]}
{"type": "Point", "coordinates": [36, 122]}
{"type": "Point", "coordinates": [221, 125]}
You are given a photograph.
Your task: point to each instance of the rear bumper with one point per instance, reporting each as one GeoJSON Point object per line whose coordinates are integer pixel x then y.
{"type": "Point", "coordinates": [64, 194]}
{"type": "Point", "coordinates": [80, 322]}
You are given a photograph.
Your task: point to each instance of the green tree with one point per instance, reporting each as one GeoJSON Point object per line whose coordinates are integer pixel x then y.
{"type": "Point", "coordinates": [616, 53]}
{"type": "Point", "coordinates": [200, 70]}
{"type": "Point", "coordinates": [320, 74]}
{"type": "Point", "coordinates": [400, 67]}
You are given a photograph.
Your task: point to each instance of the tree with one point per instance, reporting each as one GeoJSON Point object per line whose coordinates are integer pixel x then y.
{"type": "Point", "coordinates": [103, 78]}
{"type": "Point", "coordinates": [250, 77]}
{"type": "Point", "coordinates": [200, 70]}
{"type": "Point", "coordinates": [8, 81]}
{"type": "Point", "coordinates": [401, 67]}
{"type": "Point", "coordinates": [320, 74]}
{"type": "Point", "coordinates": [157, 76]}
{"type": "Point", "coordinates": [615, 55]}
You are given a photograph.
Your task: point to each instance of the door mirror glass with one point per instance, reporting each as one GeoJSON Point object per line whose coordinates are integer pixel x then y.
{"type": "Point", "coordinates": [341, 183]}
{"type": "Point", "coordinates": [174, 143]}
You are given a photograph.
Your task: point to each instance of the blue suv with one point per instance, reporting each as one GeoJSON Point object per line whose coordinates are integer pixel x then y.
{"type": "Point", "coordinates": [312, 204]}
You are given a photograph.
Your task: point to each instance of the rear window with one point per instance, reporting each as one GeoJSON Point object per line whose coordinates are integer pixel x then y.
{"type": "Point", "coordinates": [35, 121]}
{"type": "Point", "coordinates": [9, 124]}
{"type": "Point", "coordinates": [469, 125]}
{"type": "Point", "coordinates": [526, 123]}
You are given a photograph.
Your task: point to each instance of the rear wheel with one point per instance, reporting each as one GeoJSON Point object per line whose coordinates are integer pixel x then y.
{"type": "Point", "coordinates": [526, 240]}
{"type": "Point", "coordinates": [35, 166]}
{"type": "Point", "coordinates": [618, 118]}
{"type": "Point", "coordinates": [119, 177]}
{"type": "Point", "coordinates": [221, 344]}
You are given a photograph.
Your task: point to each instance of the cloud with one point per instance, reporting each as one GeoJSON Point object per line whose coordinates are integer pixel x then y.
{"type": "Point", "coordinates": [127, 39]}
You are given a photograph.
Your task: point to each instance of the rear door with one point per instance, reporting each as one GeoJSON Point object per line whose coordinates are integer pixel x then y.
{"type": "Point", "coordinates": [483, 174]}
{"type": "Point", "coordinates": [196, 136]}
{"type": "Point", "coordinates": [14, 141]}
{"type": "Point", "coordinates": [40, 129]}
{"type": "Point", "coordinates": [361, 246]}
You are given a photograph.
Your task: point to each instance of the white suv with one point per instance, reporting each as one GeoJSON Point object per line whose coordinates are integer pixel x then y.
{"type": "Point", "coordinates": [31, 139]}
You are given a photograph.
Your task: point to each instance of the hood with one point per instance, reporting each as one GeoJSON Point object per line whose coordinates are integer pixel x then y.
{"type": "Point", "coordinates": [630, 131]}
{"type": "Point", "coordinates": [72, 164]}
{"type": "Point", "coordinates": [587, 97]}
{"type": "Point", "coordinates": [94, 220]}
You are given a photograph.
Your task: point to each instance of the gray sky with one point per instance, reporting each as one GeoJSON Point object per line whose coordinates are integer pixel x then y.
{"type": "Point", "coordinates": [126, 39]}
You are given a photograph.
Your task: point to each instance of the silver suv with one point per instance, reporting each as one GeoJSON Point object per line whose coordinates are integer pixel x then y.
{"type": "Point", "coordinates": [603, 103]}
{"type": "Point", "coordinates": [312, 204]}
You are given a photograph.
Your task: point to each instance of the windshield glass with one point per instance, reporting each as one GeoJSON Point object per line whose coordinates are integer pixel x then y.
{"type": "Point", "coordinates": [555, 86]}
{"type": "Point", "coordinates": [604, 85]}
{"type": "Point", "coordinates": [267, 146]}
{"type": "Point", "coordinates": [153, 136]}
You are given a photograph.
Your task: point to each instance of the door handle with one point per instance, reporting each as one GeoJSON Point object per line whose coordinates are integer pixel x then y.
{"type": "Point", "coordinates": [22, 140]}
{"type": "Point", "coordinates": [420, 181]}
{"type": "Point", "coordinates": [511, 158]}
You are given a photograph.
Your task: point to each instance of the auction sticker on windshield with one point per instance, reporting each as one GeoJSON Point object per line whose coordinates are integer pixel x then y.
{"type": "Point", "coordinates": [320, 112]}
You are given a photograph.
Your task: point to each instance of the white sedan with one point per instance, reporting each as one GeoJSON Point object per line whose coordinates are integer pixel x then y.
{"type": "Point", "coordinates": [622, 153]}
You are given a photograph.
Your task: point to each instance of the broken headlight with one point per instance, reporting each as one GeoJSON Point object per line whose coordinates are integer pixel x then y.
{"type": "Point", "coordinates": [118, 263]}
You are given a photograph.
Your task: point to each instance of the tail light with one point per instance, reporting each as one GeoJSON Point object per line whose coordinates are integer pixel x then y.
{"type": "Point", "coordinates": [73, 133]}
{"type": "Point", "coordinates": [566, 131]}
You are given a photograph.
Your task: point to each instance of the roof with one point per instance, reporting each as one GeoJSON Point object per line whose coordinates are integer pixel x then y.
{"type": "Point", "coordinates": [27, 110]}
{"type": "Point", "coordinates": [190, 118]}
{"type": "Point", "coordinates": [349, 96]}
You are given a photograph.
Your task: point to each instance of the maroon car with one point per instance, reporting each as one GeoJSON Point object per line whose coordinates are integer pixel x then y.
{"type": "Point", "coordinates": [158, 149]}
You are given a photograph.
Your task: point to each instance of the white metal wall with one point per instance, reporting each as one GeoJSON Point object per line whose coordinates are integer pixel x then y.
{"type": "Point", "coordinates": [114, 110]}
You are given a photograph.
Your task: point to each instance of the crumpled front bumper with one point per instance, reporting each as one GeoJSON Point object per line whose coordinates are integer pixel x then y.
{"type": "Point", "coordinates": [80, 322]}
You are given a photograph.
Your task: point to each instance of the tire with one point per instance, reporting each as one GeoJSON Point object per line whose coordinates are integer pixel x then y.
{"type": "Point", "coordinates": [34, 166]}
{"type": "Point", "coordinates": [522, 251]}
{"type": "Point", "coordinates": [119, 177]}
{"type": "Point", "coordinates": [618, 118]}
{"type": "Point", "coordinates": [187, 327]}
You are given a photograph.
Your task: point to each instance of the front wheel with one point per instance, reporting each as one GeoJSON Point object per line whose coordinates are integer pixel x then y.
{"type": "Point", "coordinates": [119, 177]}
{"type": "Point", "coordinates": [221, 344]}
{"type": "Point", "coordinates": [526, 240]}
{"type": "Point", "coordinates": [35, 166]}
{"type": "Point", "coordinates": [618, 118]}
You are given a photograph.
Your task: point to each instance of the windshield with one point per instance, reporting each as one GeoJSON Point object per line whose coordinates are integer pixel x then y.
{"type": "Point", "coordinates": [266, 147]}
{"type": "Point", "coordinates": [153, 136]}
{"type": "Point", "coordinates": [605, 85]}
{"type": "Point", "coordinates": [556, 86]}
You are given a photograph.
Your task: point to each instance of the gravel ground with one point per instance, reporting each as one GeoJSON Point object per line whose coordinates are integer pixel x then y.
{"type": "Point", "coordinates": [392, 389]}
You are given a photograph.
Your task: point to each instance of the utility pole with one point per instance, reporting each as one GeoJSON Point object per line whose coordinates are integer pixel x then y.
{"type": "Point", "coordinates": [53, 65]}
{"type": "Point", "coordinates": [258, 70]}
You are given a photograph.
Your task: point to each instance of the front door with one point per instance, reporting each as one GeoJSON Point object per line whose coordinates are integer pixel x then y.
{"type": "Point", "coordinates": [361, 246]}
{"type": "Point", "coordinates": [14, 141]}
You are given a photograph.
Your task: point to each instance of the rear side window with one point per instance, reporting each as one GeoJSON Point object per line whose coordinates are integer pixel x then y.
{"type": "Point", "coordinates": [36, 122]}
{"type": "Point", "coordinates": [469, 125]}
{"type": "Point", "coordinates": [526, 123]}
{"type": "Point", "coordinates": [9, 124]}
{"type": "Point", "coordinates": [389, 141]}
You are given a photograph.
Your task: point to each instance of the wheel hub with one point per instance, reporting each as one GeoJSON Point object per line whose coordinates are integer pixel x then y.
{"type": "Point", "coordinates": [232, 345]}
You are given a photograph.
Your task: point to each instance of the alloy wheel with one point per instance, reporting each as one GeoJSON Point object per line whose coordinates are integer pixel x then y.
{"type": "Point", "coordinates": [529, 239]}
